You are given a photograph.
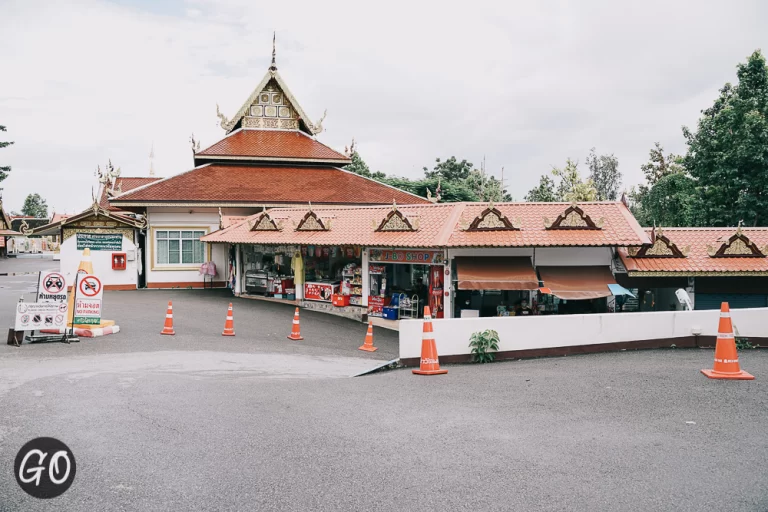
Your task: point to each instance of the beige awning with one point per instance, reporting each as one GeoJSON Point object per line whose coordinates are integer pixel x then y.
{"type": "Point", "coordinates": [496, 273]}
{"type": "Point", "coordinates": [577, 283]}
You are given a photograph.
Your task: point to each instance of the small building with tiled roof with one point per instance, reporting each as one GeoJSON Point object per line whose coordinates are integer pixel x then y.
{"type": "Point", "coordinates": [713, 265]}
{"type": "Point", "coordinates": [269, 157]}
{"type": "Point", "coordinates": [466, 256]}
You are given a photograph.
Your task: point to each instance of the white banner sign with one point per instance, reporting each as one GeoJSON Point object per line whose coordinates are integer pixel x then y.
{"type": "Point", "coordinates": [31, 316]}
{"type": "Point", "coordinates": [52, 288]}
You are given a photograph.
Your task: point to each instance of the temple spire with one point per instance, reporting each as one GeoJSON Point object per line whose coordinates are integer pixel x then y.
{"type": "Point", "coordinates": [273, 67]}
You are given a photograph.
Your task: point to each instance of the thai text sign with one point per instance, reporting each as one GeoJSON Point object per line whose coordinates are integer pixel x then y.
{"type": "Point", "coordinates": [99, 242]}
{"type": "Point", "coordinates": [419, 257]}
{"type": "Point", "coordinates": [31, 316]}
{"type": "Point", "coordinates": [319, 291]}
{"type": "Point", "coordinates": [88, 300]}
{"type": "Point", "coordinates": [52, 287]}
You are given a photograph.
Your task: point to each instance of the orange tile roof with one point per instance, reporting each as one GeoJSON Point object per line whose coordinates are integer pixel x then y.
{"type": "Point", "coordinates": [272, 145]}
{"type": "Point", "coordinates": [348, 226]}
{"type": "Point", "coordinates": [698, 259]}
{"type": "Point", "coordinates": [439, 225]}
{"type": "Point", "coordinates": [220, 184]}
{"type": "Point", "coordinates": [620, 227]}
{"type": "Point", "coordinates": [125, 184]}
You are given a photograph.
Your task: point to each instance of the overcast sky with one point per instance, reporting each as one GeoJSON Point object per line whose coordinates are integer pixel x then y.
{"type": "Point", "coordinates": [525, 84]}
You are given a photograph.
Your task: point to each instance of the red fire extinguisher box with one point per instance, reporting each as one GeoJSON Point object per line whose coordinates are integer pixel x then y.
{"type": "Point", "coordinates": [119, 260]}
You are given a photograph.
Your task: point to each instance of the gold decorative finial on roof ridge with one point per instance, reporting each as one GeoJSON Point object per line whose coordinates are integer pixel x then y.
{"type": "Point", "coordinates": [273, 67]}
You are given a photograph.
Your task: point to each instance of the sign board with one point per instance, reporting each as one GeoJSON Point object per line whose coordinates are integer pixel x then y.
{"type": "Point", "coordinates": [417, 257]}
{"type": "Point", "coordinates": [32, 316]}
{"type": "Point", "coordinates": [99, 241]}
{"type": "Point", "coordinates": [88, 300]}
{"type": "Point", "coordinates": [320, 291]}
{"type": "Point", "coordinates": [52, 287]}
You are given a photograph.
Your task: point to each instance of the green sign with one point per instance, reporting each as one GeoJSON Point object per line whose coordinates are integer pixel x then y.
{"type": "Point", "coordinates": [99, 242]}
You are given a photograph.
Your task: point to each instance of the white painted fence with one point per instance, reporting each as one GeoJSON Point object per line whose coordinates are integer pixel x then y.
{"type": "Point", "coordinates": [539, 332]}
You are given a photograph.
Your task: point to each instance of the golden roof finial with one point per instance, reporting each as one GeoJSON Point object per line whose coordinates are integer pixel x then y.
{"type": "Point", "coordinates": [394, 205]}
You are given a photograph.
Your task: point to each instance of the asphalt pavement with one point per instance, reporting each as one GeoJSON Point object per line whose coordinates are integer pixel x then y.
{"type": "Point", "coordinates": [258, 422]}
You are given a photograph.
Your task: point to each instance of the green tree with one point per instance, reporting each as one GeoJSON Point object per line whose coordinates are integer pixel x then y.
{"type": "Point", "coordinates": [659, 165]}
{"type": "Point", "coordinates": [4, 169]}
{"type": "Point", "coordinates": [671, 201]}
{"type": "Point", "coordinates": [544, 192]}
{"type": "Point", "coordinates": [728, 153]}
{"type": "Point", "coordinates": [668, 197]}
{"type": "Point", "coordinates": [572, 187]}
{"type": "Point", "coordinates": [486, 188]}
{"type": "Point", "coordinates": [35, 206]}
{"type": "Point", "coordinates": [358, 165]}
{"type": "Point", "coordinates": [605, 175]}
{"type": "Point", "coordinates": [450, 170]}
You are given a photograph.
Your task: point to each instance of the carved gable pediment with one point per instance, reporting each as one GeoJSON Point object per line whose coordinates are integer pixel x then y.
{"type": "Point", "coordinates": [263, 223]}
{"type": "Point", "coordinates": [311, 222]}
{"type": "Point", "coordinates": [737, 246]}
{"type": "Point", "coordinates": [396, 221]}
{"type": "Point", "coordinates": [662, 247]}
{"type": "Point", "coordinates": [574, 218]}
{"type": "Point", "coordinates": [491, 219]}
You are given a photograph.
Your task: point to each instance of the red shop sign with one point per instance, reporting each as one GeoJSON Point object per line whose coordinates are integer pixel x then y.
{"type": "Point", "coordinates": [414, 257]}
{"type": "Point", "coordinates": [319, 291]}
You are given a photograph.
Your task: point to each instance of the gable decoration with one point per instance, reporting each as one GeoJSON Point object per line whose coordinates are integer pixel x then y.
{"type": "Point", "coordinates": [491, 219]}
{"type": "Point", "coordinates": [662, 247]}
{"type": "Point", "coordinates": [396, 221]}
{"type": "Point", "coordinates": [737, 246]}
{"type": "Point", "coordinates": [574, 218]}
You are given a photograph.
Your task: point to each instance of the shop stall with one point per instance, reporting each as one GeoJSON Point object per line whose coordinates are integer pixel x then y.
{"type": "Point", "coordinates": [268, 270]}
{"type": "Point", "coordinates": [402, 282]}
{"type": "Point", "coordinates": [333, 274]}
{"type": "Point", "coordinates": [494, 286]}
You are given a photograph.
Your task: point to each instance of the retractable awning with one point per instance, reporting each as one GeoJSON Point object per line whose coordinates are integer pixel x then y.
{"type": "Point", "coordinates": [617, 289]}
{"type": "Point", "coordinates": [577, 283]}
{"type": "Point", "coordinates": [496, 273]}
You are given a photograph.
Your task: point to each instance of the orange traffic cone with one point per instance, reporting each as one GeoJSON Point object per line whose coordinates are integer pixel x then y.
{"type": "Point", "coordinates": [726, 358]}
{"type": "Point", "coordinates": [429, 364]}
{"type": "Point", "coordinates": [295, 330]}
{"type": "Point", "coordinates": [168, 328]}
{"type": "Point", "coordinates": [229, 324]}
{"type": "Point", "coordinates": [368, 345]}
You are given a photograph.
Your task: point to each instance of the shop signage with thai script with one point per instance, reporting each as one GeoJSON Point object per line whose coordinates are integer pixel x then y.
{"type": "Point", "coordinates": [414, 257]}
{"type": "Point", "coordinates": [320, 291]}
{"type": "Point", "coordinates": [99, 241]}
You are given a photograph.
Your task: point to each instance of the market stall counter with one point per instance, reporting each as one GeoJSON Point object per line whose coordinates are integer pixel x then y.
{"type": "Point", "coordinates": [321, 291]}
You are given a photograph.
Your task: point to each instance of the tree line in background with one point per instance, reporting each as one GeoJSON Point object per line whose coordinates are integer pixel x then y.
{"type": "Point", "coordinates": [448, 181]}
{"type": "Point", "coordinates": [720, 181]}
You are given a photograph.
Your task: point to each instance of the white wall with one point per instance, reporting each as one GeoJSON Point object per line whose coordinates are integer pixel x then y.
{"type": "Point", "coordinates": [102, 263]}
{"type": "Point", "coordinates": [524, 333]}
{"type": "Point", "coordinates": [572, 256]}
{"type": "Point", "coordinates": [201, 218]}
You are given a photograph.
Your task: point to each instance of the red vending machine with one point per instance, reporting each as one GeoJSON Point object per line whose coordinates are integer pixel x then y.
{"type": "Point", "coordinates": [436, 290]}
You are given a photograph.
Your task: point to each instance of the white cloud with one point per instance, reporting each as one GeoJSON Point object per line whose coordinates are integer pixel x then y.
{"type": "Point", "coordinates": [525, 84]}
